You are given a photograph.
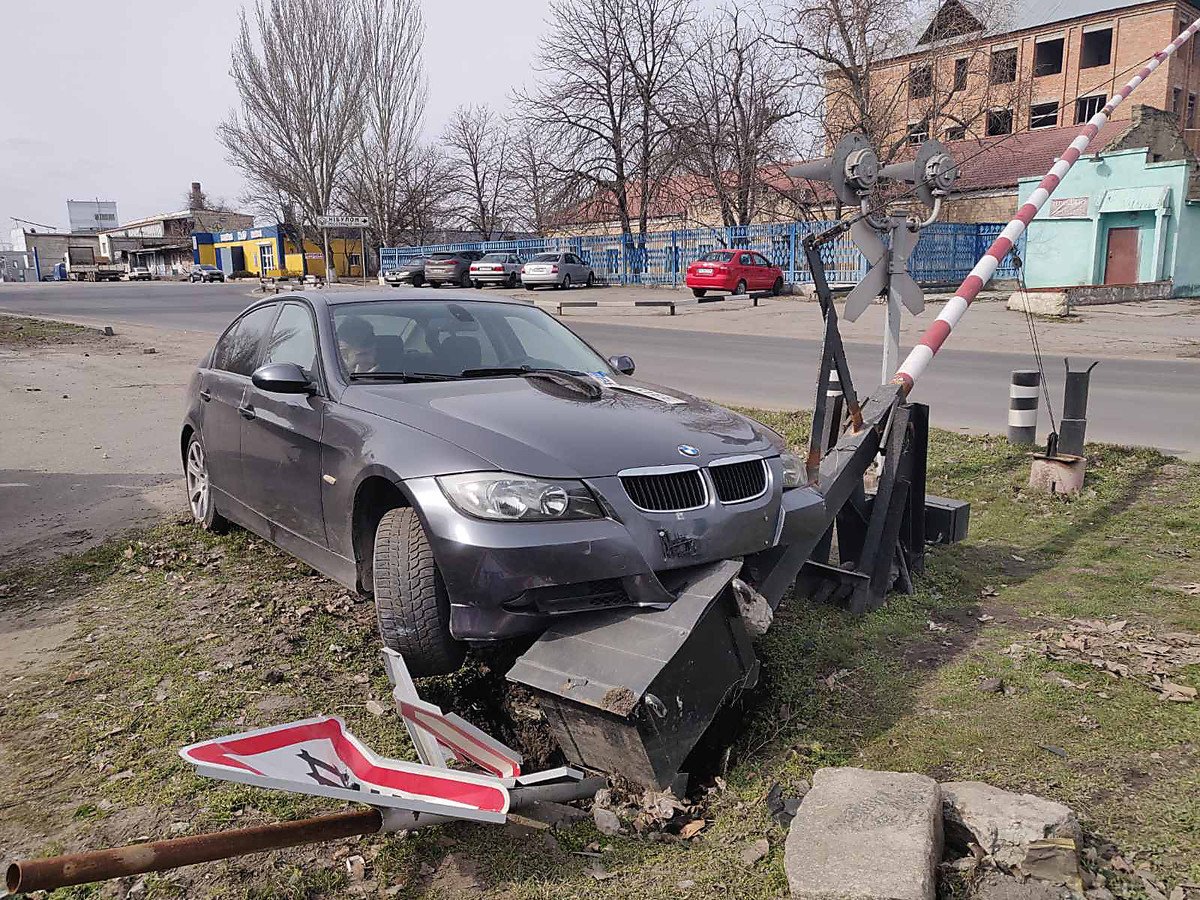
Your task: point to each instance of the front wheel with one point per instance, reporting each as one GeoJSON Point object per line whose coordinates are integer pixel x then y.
{"type": "Point", "coordinates": [411, 602]}
{"type": "Point", "coordinates": [591, 279]}
{"type": "Point", "coordinates": [512, 281]}
{"type": "Point", "coordinates": [465, 281]}
{"type": "Point", "coordinates": [417, 281]}
{"type": "Point", "coordinates": [199, 489]}
{"type": "Point", "coordinates": [777, 287]}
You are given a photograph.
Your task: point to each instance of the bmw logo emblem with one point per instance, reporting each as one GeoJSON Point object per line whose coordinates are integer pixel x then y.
{"type": "Point", "coordinates": [688, 450]}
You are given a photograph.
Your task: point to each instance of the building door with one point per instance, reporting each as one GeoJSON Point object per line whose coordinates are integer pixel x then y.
{"type": "Point", "coordinates": [1121, 262]}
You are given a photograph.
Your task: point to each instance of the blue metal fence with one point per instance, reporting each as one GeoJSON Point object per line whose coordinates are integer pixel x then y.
{"type": "Point", "coordinates": [945, 253]}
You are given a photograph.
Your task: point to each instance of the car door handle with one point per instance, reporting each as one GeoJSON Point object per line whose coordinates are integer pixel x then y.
{"type": "Point", "coordinates": [246, 412]}
{"type": "Point", "coordinates": [205, 396]}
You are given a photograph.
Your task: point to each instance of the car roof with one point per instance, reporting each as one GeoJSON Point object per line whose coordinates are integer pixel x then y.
{"type": "Point", "coordinates": [442, 296]}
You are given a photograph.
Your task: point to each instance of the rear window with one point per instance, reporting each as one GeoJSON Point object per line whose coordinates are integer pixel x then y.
{"type": "Point", "coordinates": [495, 257]}
{"type": "Point", "coordinates": [717, 256]}
{"type": "Point", "coordinates": [437, 256]}
{"type": "Point", "coordinates": [545, 257]}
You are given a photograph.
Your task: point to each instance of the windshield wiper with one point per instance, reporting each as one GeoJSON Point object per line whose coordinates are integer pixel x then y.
{"type": "Point", "coordinates": [400, 376]}
{"type": "Point", "coordinates": [495, 371]}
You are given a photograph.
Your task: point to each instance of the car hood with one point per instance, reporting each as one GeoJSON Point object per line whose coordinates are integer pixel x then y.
{"type": "Point", "coordinates": [538, 427]}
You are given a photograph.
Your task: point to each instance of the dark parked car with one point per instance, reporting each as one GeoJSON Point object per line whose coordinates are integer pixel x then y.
{"type": "Point", "coordinates": [411, 271]}
{"type": "Point", "coordinates": [206, 273]}
{"type": "Point", "coordinates": [450, 268]}
{"type": "Point", "coordinates": [472, 463]}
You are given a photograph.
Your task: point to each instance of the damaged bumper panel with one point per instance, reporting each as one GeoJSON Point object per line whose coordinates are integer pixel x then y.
{"type": "Point", "coordinates": [510, 578]}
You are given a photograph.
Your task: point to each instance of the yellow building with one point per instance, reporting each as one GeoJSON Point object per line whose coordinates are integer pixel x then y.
{"type": "Point", "coordinates": [273, 250]}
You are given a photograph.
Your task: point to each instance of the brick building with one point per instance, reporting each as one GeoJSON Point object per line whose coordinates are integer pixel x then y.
{"type": "Point", "coordinates": [973, 73]}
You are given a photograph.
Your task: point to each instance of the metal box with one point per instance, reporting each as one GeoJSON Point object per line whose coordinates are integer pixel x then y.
{"type": "Point", "coordinates": [946, 520]}
{"type": "Point", "coordinates": [631, 692]}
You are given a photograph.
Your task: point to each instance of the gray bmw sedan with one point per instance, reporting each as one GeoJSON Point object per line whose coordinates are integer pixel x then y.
{"type": "Point", "coordinates": [471, 463]}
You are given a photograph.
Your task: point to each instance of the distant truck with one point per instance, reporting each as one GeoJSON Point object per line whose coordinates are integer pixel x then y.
{"type": "Point", "coordinates": [82, 265]}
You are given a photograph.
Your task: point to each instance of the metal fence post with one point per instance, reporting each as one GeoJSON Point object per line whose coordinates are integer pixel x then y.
{"type": "Point", "coordinates": [1023, 406]}
{"type": "Point", "coordinates": [1073, 426]}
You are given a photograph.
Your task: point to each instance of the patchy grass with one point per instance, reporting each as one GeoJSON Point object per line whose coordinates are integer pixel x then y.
{"type": "Point", "coordinates": [184, 635]}
{"type": "Point", "coordinates": [18, 333]}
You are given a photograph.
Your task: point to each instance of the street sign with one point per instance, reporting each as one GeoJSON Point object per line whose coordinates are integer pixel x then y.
{"type": "Point", "coordinates": [343, 221]}
{"type": "Point", "coordinates": [320, 757]}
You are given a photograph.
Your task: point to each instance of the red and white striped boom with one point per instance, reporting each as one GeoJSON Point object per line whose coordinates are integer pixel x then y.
{"type": "Point", "coordinates": [933, 338]}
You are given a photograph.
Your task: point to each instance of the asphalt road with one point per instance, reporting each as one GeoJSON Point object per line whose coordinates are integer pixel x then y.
{"type": "Point", "coordinates": [1133, 401]}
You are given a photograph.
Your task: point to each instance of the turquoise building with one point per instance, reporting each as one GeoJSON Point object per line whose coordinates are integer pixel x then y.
{"type": "Point", "coordinates": [1119, 217]}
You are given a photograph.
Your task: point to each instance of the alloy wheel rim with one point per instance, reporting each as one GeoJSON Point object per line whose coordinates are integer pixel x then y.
{"type": "Point", "coordinates": [197, 481]}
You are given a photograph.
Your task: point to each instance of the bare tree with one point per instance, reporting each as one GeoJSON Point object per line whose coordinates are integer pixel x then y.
{"type": "Point", "coordinates": [390, 36]}
{"type": "Point", "coordinates": [733, 106]}
{"type": "Point", "coordinates": [424, 209]}
{"type": "Point", "coordinates": [477, 144]}
{"type": "Point", "coordinates": [601, 99]}
{"type": "Point", "coordinates": [867, 68]}
{"type": "Point", "coordinates": [540, 192]}
{"type": "Point", "coordinates": [300, 80]}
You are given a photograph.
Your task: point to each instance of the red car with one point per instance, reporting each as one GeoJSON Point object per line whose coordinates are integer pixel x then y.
{"type": "Point", "coordinates": [736, 271]}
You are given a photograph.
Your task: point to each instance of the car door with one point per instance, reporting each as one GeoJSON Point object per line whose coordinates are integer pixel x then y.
{"type": "Point", "coordinates": [223, 388]}
{"type": "Point", "coordinates": [578, 273]}
{"type": "Point", "coordinates": [281, 433]}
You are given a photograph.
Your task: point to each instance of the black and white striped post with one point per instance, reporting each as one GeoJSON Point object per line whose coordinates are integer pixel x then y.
{"type": "Point", "coordinates": [1023, 406]}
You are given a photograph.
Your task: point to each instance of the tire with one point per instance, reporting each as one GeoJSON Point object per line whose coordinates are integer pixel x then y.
{"type": "Point", "coordinates": [740, 287]}
{"type": "Point", "coordinates": [199, 489]}
{"type": "Point", "coordinates": [698, 292]}
{"type": "Point", "coordinates": [591, 280]}
{"type": "Point", "coordinates": [478, 285]}
{"type": "Point", "coordinates": [435, 284]}
{"type": "Point", "coordinates": [529, 287]}
{"type": "Point", "coordinates": [465, 280]}
{"type": "Point", "coordinates": [411, 603]}
{"type": "Point", "coordinates": [566, 282]}
{"type": "Point", "coordinates": [417, 281]}
{"type": "Point", "coordinates": [512, 281]}
{"type": "Point", "coordinates": [777, 287]}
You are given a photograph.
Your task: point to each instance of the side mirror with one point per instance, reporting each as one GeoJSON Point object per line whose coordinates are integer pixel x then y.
{"type": "Point", "coordinates": [282, 378]}
{"type": "Point", "coordinates": [623, 364]}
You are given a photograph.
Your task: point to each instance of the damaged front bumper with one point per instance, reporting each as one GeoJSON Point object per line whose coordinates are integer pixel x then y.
{"type": "Point", "coordinates": [506, 579]}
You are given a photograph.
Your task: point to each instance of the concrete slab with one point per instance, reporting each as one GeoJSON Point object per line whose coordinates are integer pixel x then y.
{"type": "Point", "coordinates": [1040, 303]}
{"type": "Point", "coordinates": [864, 835]}
{"type": "Point", "coordinates": [1003, 823]}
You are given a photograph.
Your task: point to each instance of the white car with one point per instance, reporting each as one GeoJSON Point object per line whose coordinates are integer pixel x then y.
{"type": "Point", "coordinates": [499, 267]}
{"type": "Point", "coordinates": [138, 273]}
{"type": "Point", "coordinates": [558, 270]}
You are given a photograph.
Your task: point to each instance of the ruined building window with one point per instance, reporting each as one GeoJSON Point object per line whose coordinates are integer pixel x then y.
{"type": "Point", "coordinates": [1004, 66]}
{"type": "Point", "coordinates": [1096, 49]}
{"type": "Point", "coordinates": [956, 133]}
{"type": "Point", "coordinates": [999, 121]}
{"type": "Point", "coordinates": [1048, 57]}
{"type": "Point", "coordinates": [920, 82]}
{"type": "Point", "coordinates": [1176, 100]}
{"type": "Point", "coordinates": [918, 132]}
{"type": "Point", "coordinates": [1190, 122]}
{"type": "Point", "coordinates": [960, 74]}
{"type": "Point", "coordinates": [1043, 115]}
{"type": "Point", "coordinates": [1086, 107]}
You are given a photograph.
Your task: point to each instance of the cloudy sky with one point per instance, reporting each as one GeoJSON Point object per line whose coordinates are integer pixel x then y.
{"type": "Point", "coordinates": [120, 101]}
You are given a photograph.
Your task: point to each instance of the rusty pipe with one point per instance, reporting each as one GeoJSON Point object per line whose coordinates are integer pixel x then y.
{"type": "Point", "coordinates": [99, 865]}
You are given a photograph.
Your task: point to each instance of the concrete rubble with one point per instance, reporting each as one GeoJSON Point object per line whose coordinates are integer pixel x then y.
{"type": "Point", "coordinates": [865, 835]}
{"type": "Point", "coordinates": [861, 834]}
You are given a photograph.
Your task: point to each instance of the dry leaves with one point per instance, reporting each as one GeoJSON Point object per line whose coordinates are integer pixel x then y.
{"type": "Point", "coordinates": [1118, 649]}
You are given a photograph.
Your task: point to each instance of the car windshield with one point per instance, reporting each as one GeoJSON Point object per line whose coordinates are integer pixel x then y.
{"type": "Point", "coordinates": [716, 256]}
{"type": "Point", "coordinates": [209, 268]}
{"type": "Point", "coordinates": [445, 339]}
{"type": "Point", "coordinates": [545, 257]}
{"type": "Point", "coordinates": [495, 257]}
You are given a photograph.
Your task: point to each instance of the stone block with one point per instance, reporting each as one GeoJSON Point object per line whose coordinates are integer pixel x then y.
{"type": "Point", "coordinates": [1041, 303]}
{"type": "Point", "coordinates": [865, 835]}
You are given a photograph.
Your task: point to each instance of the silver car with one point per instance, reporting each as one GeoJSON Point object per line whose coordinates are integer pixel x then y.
{"type": "Point", "coordinates": [496, 268]}
{"type": "Point", "coordinates": [450, 268]}
{"type": "Point", "coordinates": [560, 270]}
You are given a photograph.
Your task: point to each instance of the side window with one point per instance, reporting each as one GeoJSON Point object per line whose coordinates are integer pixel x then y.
{"type": "Point", "coordinates": [237, 351]}
{"type": "Point", "coordinates": [746, 260]}
{"type": "Point", "coordinates": [762, 261]}
{"type": "Point", "coordinates": [293, 339]}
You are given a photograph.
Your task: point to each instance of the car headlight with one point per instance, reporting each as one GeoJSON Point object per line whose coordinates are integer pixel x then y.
{"type": "Point", "coordinates": [793, 470]}
{"type": "Point", "coordinates": [502, 496]}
